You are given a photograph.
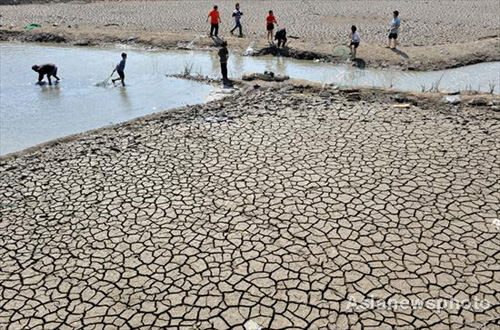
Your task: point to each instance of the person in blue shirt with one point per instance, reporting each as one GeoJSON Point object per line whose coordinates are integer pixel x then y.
{"type": "Point", "coordinates": [120, 69]}
{"type": "Point", "coordinates": [237, 20]}
{"type": "Point", "coordinates": [393, 31]}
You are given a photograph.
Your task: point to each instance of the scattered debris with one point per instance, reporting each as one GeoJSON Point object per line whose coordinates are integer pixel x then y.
{"type": "Point", "coordinates": [250, 51]}
{"type": "Point", "coordinates": [31, 26]}
{"type": "Point", "coordinates": [453, 99]}
{"type": "Point", "coordinates": [401, 106]}
{"type": "Point", "coordinates": [266, 76]}
{"type": "Point", "coordinates": [217, 119]}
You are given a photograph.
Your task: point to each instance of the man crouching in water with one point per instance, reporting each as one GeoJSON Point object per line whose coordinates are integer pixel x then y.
{"type": "Point", "coordinates": [46, 69]}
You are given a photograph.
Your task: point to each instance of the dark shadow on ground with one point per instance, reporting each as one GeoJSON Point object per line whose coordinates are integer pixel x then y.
{"type": "Point", "coordinates": [227, 84]}
{"type": "Point", "coordinates": [217, 41]}
{"type": "Point", "coordinates": [359, 63]}
{"type": "Point", "coordinates": [400, 53]}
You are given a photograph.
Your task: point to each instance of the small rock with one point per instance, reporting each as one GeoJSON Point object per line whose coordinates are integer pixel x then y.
{"type": "Point", "coordinates": [350, 90]}
{"type": "Point", "coordinates": [252, 325]}
{"type": "Point", "coordinates": [82, 43]}
{"type": "Point", "coordinates": [477, 102]}
{"type": "Point", "coordinates": [453, 99]}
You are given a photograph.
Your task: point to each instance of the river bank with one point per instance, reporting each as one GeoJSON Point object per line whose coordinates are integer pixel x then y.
{"type": "Point", "coordinates": [436, 35]}
{"type": "Point", "coordinates": [421, 58]}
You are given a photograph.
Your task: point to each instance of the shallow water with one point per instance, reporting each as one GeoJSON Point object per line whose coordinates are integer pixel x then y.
{"type": "Point", "coordinates": [30, 114]}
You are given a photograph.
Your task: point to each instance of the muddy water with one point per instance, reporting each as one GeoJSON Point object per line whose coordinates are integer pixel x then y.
{"type": "Point", "coordinates": [30, 114]}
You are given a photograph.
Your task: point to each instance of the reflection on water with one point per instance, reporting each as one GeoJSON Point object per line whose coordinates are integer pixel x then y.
{"type": "Point", "coordinates": [125, 99]}
{"type": "Point", "coordinates": [32, 114]}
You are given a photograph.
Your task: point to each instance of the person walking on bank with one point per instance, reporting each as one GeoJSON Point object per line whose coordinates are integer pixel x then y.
{"type": "Point", "coordinates": [394, 30]}
{"type": "Point", "coordinates": [223, 57]}
{"type": "Point", "coordinates": [237, 13]}
{"type": "Point", "coordinates": [355, 39]}
{"type": "Point", "coordinates": [214, 22]}
{"type": "Point", "coordinates": [120, 69]}
{"type": "Point", "coordinates": [270, 21]}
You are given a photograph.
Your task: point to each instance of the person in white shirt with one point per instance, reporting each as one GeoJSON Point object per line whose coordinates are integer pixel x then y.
{"type": "Point", "coordinates": [355, 39]}
{"type": "Point", "coordinates": [237, 20]}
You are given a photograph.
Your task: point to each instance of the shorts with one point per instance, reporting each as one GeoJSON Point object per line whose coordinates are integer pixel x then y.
{"type": "Point", "coordinates": [270, 27]}
{"type": "Point", "coordinates": [393, 36]}
{"type": "Point", "coordinates": [121, 74]}
{"type": "Point", "coordinates": [355, 44]}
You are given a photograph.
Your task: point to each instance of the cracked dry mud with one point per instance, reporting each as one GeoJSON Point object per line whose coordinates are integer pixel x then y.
{"type": "Point", "coordinates": [283, 216]}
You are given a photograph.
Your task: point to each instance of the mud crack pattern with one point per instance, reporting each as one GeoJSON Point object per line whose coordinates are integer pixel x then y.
{"type": "Point", "coordinates": [289, 215]}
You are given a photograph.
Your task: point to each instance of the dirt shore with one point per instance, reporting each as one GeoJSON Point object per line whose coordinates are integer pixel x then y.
{"type": "Point", "coordinates": [435, 35]}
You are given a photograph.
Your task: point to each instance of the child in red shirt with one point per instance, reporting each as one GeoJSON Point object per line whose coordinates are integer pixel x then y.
{"type": "Point", "coordinates": [214, 21]}
{"type": "Point", "coordinates": [270, 21]}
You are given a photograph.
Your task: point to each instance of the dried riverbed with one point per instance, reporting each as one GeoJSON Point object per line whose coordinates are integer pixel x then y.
{"type": "Point", "coordinates": [281, 207]}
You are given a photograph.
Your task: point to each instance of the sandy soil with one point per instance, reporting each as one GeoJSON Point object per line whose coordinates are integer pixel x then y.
{"type": "Point", "coordinates": [434, 34]}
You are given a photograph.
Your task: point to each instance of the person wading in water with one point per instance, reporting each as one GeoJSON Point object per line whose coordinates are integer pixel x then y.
{"type": "Point", "coordinates": [223, 57]}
